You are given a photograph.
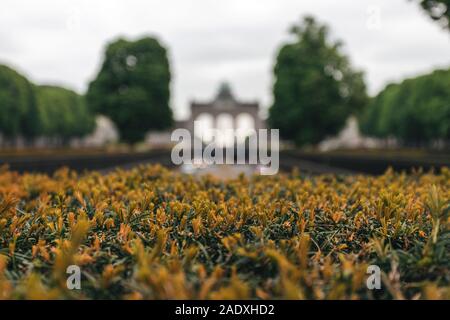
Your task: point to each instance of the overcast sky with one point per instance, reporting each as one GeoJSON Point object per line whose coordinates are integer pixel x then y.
{"type": "Point", "coordinates": [62, 42]}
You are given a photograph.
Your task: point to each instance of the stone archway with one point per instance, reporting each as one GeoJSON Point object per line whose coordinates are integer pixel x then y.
{"type": "Point", "coordinates": [203, 124]}
{"type": "Point", "coordinates": [243, 114]}
{"type": "Point", "coordinates": [244, 126]}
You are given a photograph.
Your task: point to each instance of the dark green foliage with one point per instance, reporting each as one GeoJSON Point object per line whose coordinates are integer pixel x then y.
{"type": "Point", "coordinates": [33, 111]}
{"type": "Point", "coordinates": [17, 105]}
{"type": "Point", "coordinates": [132, 87]}
{"type": "Point", "coordinates": [416, 111]}
{"type": "Point", "coordinates": [63, 113]}
{"type": "Point", "coordinates": [439, 10]}
{"type": "Point", "coordinates": [315, 88]}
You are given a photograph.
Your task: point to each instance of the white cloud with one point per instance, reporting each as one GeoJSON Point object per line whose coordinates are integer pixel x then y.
{"type": "Point", "coordinates": [210, 40]}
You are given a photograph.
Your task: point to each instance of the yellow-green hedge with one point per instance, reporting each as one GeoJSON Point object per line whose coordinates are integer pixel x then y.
{"type": "Point", "coordinates": [152, 233]}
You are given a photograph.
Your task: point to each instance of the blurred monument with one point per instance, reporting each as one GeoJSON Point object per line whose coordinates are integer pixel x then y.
{"type": "Point", "coordinates": [224, 112]}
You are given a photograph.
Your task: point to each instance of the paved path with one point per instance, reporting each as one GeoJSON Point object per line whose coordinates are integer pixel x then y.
{"type": "Point", "coordinates": [221, 171]}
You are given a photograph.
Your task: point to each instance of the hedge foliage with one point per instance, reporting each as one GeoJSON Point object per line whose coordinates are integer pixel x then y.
{"type": "Point", "coordinates": [152, 233]}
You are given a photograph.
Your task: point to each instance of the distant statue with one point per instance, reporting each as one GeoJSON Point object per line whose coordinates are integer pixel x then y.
{"type": "Point", "coordinates": [225, 92]}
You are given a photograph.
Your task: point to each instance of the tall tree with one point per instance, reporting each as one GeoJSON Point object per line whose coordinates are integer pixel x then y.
{"type": "Point", "coordinates": [63, 113]}
{"type": "Point", "coordinates": [17, 105]}
{"type": "Point", "coordinates": [378, 120]}
{"type": "Point", "coordinates": [133, 87]}
{"type": "Point", "coordinates": [315, 89]}
{"type": "Point", "coordinates": [415, 111]}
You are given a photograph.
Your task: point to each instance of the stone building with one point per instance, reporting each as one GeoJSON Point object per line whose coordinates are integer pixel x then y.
{"type": "Point", "coordinates": [224, 112]}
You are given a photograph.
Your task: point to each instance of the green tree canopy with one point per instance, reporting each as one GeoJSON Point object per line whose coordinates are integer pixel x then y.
{"type": "Point", "coordinates": [315, 89]}
{"type": "Point", "coordinates": [438, 10]}
{"type": "Point", "coordinates": [63, 113]}
{"type": "Point", "coordinates": [132, 87]}
{"type": "Point", "coordinates": [17, 105]}
{"type": "Point", "coordinates": [415, 111]}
